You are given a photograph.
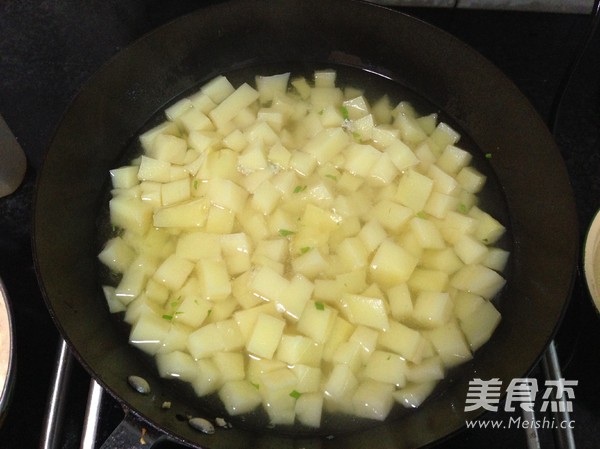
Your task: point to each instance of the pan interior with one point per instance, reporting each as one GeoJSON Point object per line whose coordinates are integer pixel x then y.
{"type": "Point", "coordinates": [374, 85]}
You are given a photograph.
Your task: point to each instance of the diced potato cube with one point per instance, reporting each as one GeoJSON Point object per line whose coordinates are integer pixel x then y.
{"type": "Point", "coordinates": [367, 339]}
{"type": "Point", "coordinates": [432, 309]}
{"type": "Point", "coordinates": [213, 279]}
{"type": "Point", "coordinates": [246, 319]}
{"type": "Point", "coordinates": [114, 304]}
{"type": "Point", "coordinates": [496, 259]}
{"type": "Point", "coordinates": [400, 301]}
{"type": "Point", "coordinates": [341, 383]}
{"type": "Point", "coordinates": [470, 250]}
{"type": "Point", "coordinates": [173, 272]}
{"type": "Point", "coordinates": [386, 367]}
{"type": "Point", "coordinates": [453, 159]}
{"type": "Point", "coordinates": [470, 179]}
{"type": "Point", "coordinates": [198, 245]}
{"type": "Point", "coordinates": [154, 170]}
{"type": "Point", "coordinates": [148, 332]}
{"type": "Point", "coordinates": [427, 370]}
{"type": "Point", "coordinates": [360, 158]}
{"type": "Point", "coordinates": [450, 344]}
{"type": "Point", "coordinates": [178, 365]}
{"type": "Point", "coordinates": [116, 255]}
{"type": "Point", "coordinates": [423, 279]}
{"type": "Point", "coordinates": [311, 264]}
{"type": "Point", "coordinates": [359, 309]}
{"type": "Point", "coordinates": [308, 409]}
{"type": "Point", "coordinates": [218, 89]}
{"type": "Point", "coordinates": [391, 215]}
{"type": "Point", "coordinates": [479, 280]}
{"type": "Point", "coordinates": [340, 332]}
{"type": "Point", "coordinates": [183, 215]}
{"type": "Point", "coordinates": [326, 144]}
{"type": "Point", "coordinates": [268, 86]}
{"type": "Point", "coordinates": [265, 336]}
{"type": "Point", "coordinates": [124, 177]}
{"type": "Point", "coordinates": [414, 394]}
{"type": "Point", "coordinates": [295, 296]}
{"type": "Point", "coordinates": [239, 397]}
{"type": "Point", "coordinates": [403, 340]}
{"type": "Point", "coordinates": [401, 155]}
{"type": "Point", "coordinates": [480, 324]}
{"type": "Point", "coordinates": [208, 379]}
{"type": "Point", "coordinates": [228, 108]}
{"type": "Point", "coordinates": [230, 365]}
{"type": "Point", "coordinates": [169, 148]}
{"type": "Point", "coordinates": [427, 233]}
{"type": "Point", "coordinates": [348, 353]}
{"type": "Point", "coordinates": [267, 283]}
{"type": "Point", "coordinates": [130, 213]}
{"type": "Point", "coordinates": [192, 311]}
{"type": "Point", "coordinates": [298, 349]}
{"type": "Point", "coordinates": [373, 400]}
{"type": "Point", "coordinates": [205, 341]}
{"type": "Point", "coordinates": [317, 321]}
{"type": "Point", "coordinates": [227, 194]}
{"type": "Point", "coordinates": [147, 138]}
{"type": "Point", "coordinates": [309, 378]}
{"type": "Point", "coordinates": [414, 190]}
{"type": "Point", "coordinates": [392, 264]}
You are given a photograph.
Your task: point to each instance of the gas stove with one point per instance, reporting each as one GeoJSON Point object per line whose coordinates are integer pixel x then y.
{"type": "Point", "coordinates": [49, 49]}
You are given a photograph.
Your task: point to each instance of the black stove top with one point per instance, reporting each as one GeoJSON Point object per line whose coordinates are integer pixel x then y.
{"type": "Point", "coordinates": [49, 49]}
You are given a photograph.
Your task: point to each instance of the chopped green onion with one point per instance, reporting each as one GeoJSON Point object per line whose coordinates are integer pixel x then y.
{"type": "Point", "coordinates": [462, 207]}
{"type": "Point", "coordinates": [345, 114]}
{"type": "Point", "coordinates": [488, 155]}
{"type": "Point", "coordinates": [295, 394]}
{"type": "Point", "coordinates": [285, 232]}
{"type": "Point", "coordinates": [257, 386]}
{"type": "Point", "coordinates": [421, 214]}
{"type": "Point", "coordinates": [319, 305]}
{"type": "Point", "coordinates": [195, 184]}
{"type": "Point", "coordinates": [299, 189]}
{"type": "Point", "coordinates": [331, 177]}
{"type": "Point", "coordinates": [304, 249]}
{"type": "Point", "coordinates": [168, 317]}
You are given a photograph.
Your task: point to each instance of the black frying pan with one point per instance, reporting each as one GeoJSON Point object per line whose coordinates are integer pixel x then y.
{"type": "Point", "coordinates": [528, 187]}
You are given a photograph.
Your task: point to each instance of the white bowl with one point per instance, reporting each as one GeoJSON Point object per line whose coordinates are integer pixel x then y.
{"type": "Point", "coordinates": [7, 352]}
{"type": "Point", "coordinates": [591, 260]}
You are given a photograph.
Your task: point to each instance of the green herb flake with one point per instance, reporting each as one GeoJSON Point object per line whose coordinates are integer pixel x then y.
{"type": "Point", "coordinates": [462, 207]}
{"type": "Point", "coordinates": [208, 313]}
{"type": "Point", "coordinates": [421, 214]}
{"type": "Point", "coordinates": [345, 114]}
{"type": "Point", "coordinates": [257, 386]}
{"type": "Point", "coordinates": [356, 136]}
{"type": "Point", "coordinates": [319, 305]}
{"type": "Point", "coordinates": [196, 182]}
{"type": "Point", "coordinates": [331, 177]}
{"type": "Point", "coordinates": [295, 394]}
{"type": "Point", "coordinates": [304, 249]}
{"type": "Point", "coordinates": [285, 232]}
{"type": "Point", "coordinates": [299, 189]}
{"type": "Point", "coordinates": [168, 317]}
{"type": "Point", "coordinates": [488, 155]}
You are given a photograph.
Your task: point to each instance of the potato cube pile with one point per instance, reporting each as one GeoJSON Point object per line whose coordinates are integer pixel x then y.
{"type": "Point", "coordinates": [295, 247]}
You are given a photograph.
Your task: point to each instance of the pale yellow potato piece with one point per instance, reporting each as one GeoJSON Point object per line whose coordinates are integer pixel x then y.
{"type": "Point", "coordinates": [309, 409]}
{"type": "Point", "coordinates": [130, 213]}
{"type": "Point", "coordinates": [317, 321]}
{"type": "Point", "coordinates": [148, 332]}
{"type": "Point", "coordinates": [208, 379]}
{"type": "Point", "coordinates": [265, 336]}
{"type": "Point", "coordinates": [364, 310]}
{"type": "Point", "coordinates": [373, 400]}
{"type": "Point", "coordinates": [239, 397]}
{"type": "Point", "coordinates": [392, 264]}
{"type": "Point", "coordinates": [177, 365]}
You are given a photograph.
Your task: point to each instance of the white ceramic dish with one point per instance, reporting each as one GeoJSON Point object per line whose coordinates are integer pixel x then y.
{"type": "Point", "coordinates": [7, 352]}
{"type": "Point", "coordinates": [591, 260]}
